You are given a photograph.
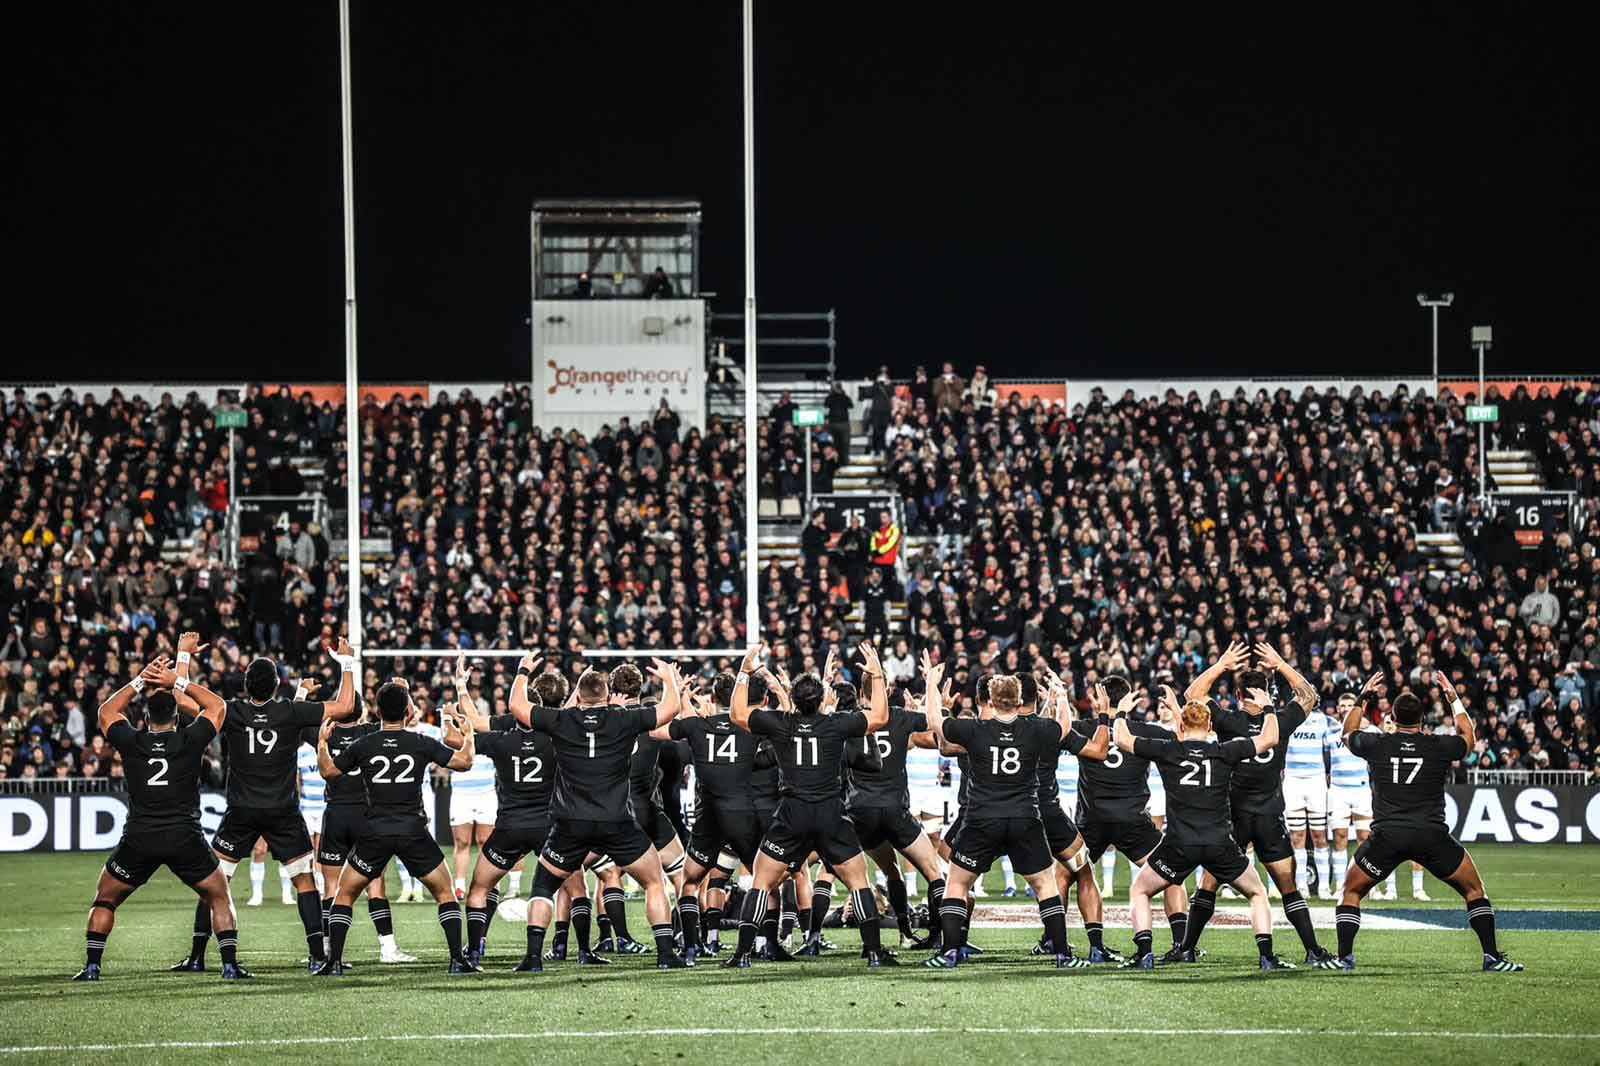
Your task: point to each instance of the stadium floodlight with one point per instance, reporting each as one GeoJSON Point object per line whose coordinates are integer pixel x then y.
{"type": "Point", "coordinates": [1433, 303]}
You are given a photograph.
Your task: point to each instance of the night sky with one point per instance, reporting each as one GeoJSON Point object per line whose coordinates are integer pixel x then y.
{"type": "Point", "coordinates": [1230, 194]}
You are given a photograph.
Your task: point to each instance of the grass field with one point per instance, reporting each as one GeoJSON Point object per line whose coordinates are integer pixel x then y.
{"type": "Point", "coordinates": [1418, 993]}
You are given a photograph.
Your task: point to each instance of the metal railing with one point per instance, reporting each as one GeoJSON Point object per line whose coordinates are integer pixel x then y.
{"type": "Point", "coordinates": [62, 786]}
{"type": "Point", "coordinates": [1529, 777]}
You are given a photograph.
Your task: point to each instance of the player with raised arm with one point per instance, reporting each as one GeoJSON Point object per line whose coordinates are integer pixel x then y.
{"type": "Point", "coordinates": [392, 764]}
{"type": "Point", "coordinates": [1350, 786]}
{"type": "Point", "coordinates": [1002, 809]}
{"type": "Point", "coordinates": [344, 822]}
{"type": "Point", "coordinates": [810, 749]}
{"type": "Point", "coordinates": [1305, 797]}
{"type": "Point", "coordinates": [260, 735]}
{"type": "Point", "coordinates": [1409, 769]}
{"type": "Point", "coordinates": [473, 798]}
{"type": "Point", "coordinates": [1197, 772]}
{"type": "Point", "coordinates": [524, 763]}
{"type": "Point", "coordinates": [1257, 798]}
{"type": "Point", "coordinates": [644, 792]}
{"type": "Point", "coordinates": [725, 815]}
{"type": "Point", "coordinates": [1113, 802]}
{"type": "Point", "coordinates": [878, 799]}
{"type": "Point", "coordinates": [590, 807]}
{"type": "Point", "coordinates": [162, 768]}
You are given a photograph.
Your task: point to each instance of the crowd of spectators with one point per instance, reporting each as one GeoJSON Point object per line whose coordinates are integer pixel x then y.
{"type": "Point", "coordinates": [499, 534]}
{"type": "Point", "coordinates": [1137, 535]}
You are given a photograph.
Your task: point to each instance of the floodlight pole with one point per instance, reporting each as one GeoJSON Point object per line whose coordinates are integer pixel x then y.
{"type": "Point", "coordinates": [752, 613]}
{"type": "Point", "coordinates": [1433, 303]}
{"type": "Point", "coordinates": [1482, 338]}
{"type": "Point", "coordinates": [352, 408]}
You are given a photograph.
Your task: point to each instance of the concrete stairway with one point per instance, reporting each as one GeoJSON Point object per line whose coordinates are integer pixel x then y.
{"type": "Point", "coordinates": [1515, 470]}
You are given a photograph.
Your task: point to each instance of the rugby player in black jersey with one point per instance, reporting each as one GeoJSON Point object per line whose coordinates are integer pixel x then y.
{"type": "Point", "coordinates": [1257, 783]}
{"type": "Point", "coordinates": [1409, 769]}
{"type": "Point", "coordinates": [344, 822]}
{"type": "Point", "coordinates": [260, 739]}
{"type": "Point", "coordinates": [392, 764]}
{"type": "Point", "coordinates": [1001, 813]}
{"type": "Point", "coordinates": [162, 768]}
{"type": "Point", "coordinates": [725, 815]}
{"type": "Point", "coordinates": [524, 774]}
{"type": "Point", "coordinates": [810, 748]}
{"type": "Point", "coordinates": [1065, 841]}
{"type": "Point", "coordinates": [1113, 802]}
{"type": "Point", "coordinates": [879, 803]}
{"type": "Point", "coordinates": [644, 792]}
{"type": "Point", "coordinates": [952, 832]}
{"type": "Point", "coordinates": [1197, 772]}
{"type": "Point", "coordinates": [590, 808]}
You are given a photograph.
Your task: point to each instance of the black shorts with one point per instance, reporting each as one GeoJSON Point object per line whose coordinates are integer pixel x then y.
{"type": "Point", "coordinates": [140, 854]}
{"type": "Point", "coordinates": [283, 828]}
{"type": "Point", "coordinates": [1059, 830]}
{"type": "Point", "coordinates": [1267, 832]}
{"type": "Point", "coordinates": [571, 840]}
{"type": "Point", "coordinates": [1134, 838]}
{"type": "Point", "coordinates": [652, 818]}
{"type": "Point", "coordinates": [879, 825]}
{"type": "Point", "coordinates": [953, 830]}
{"type": "Point", "coordinates": [716, 831]}
{"type": "Point", "coordinates": [509, 845]}
{"type": "Point", "coordinates": [985, 839]}
{"type": "Point", "coordinates": [1176, 861]}
{"type": "Point", "coordinates": [800, 827]}
{"type": "Point", "coordinates": [1438, 852]}
{"type": "Point", "coordinates": [416, 850]}
{"type": "Point", "coordinates": [343, 825]}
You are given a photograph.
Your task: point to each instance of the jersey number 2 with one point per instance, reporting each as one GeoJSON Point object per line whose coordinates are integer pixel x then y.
{"type": "Point", "coordinates": [160, 776]}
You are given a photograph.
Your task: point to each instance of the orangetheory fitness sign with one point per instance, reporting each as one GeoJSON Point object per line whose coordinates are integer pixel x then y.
{"type": "Point", "coordinates": [627, 379]}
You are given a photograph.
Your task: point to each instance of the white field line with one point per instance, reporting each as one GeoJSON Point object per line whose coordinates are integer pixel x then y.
{"type": "Point", "coordinates": [612, 1034]}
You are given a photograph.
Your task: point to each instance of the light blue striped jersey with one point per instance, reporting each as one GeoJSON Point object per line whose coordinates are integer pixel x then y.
{"type": "Point", "coordinates": [1308, 747]}
{"type": "Point", "coordinates": [1067, 782]}
{"type": "Point", "coordinates": [477, 780]}
{"type": "Point", "coordinates": [922, 769]}
{"type": "Point", "coordinates": [1154, 778]}
{"type": "Point", "coordinates": [313, 789]}
{"type": "Point", "coordinates": [1350, 769]}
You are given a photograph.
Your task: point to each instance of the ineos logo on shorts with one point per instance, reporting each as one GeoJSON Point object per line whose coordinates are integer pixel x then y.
{"type": "Point", "coordinates": [555, 856]}
{"type": "Point", "coordinates": [772, 849]}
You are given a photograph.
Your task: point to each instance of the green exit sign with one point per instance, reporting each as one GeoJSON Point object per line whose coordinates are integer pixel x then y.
{"type": "Point", "coordinates": [230, 419]}
{"type": "Point", "coordinates": [809, 416]}
{"type": "Point", "coordinates": [1483, 412]}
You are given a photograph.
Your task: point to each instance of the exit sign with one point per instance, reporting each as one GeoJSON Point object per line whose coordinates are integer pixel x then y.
{"type": "Point", "coordinates": [1483, 412]}
{"type": "Point", "coordinates": [809, 416]}
{"type": "Point", "coordinates": [230, 419]}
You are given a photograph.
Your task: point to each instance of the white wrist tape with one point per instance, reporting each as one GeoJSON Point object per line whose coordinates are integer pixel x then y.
{"type": "Point", "coordinates": [183, 658]}
{"type": "Point", "coordinates": [742, 678]}
{"type": "Point", "coordinates": [180, 684]}
{"type": "Point", "coordinates": [137, 684]}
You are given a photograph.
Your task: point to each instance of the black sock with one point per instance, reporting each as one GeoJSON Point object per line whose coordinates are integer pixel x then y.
{"type": "Point", "coordinates": [1298, 911]}
{"type": "Point", "coordinates": [382, 917]}
{"type": "Point", "coordinates": [953, 924]}
{"type": "Point", "coordinates": [1097, 934]}
{"type": "Point", "coordinates": [96, 946]}
{"type": "Point", "coordinates": [689, 917]}
{"type": "Point", "coordinates": [535, 941]}
{"type": "Point", "coordinates": [327, 907]}
{"type": "Point", "coordinates": [788, 908]}
{"type": "Point", "coordinates": [750, 919]}
{"type": "Point", "coordinates": [1053, 915]}
{"type": "Point", "coordinates": [1480, 915]}
{"type": "Point", "coordinates": [202, 930]}
{"type": "Point", "coordinates": [711, 925]}
{"type": "Point", "coordinates": [492, 905]}
{"type": "Point", "coordinates": [802, 922]}
{"type": "Point", "coordinates": [603, 924]}
{"type": "Point", "coordinates": [338, 929]}
{"type": "Point", "coordinates": [899, 902]}
{"type": "Point", "coordinates": [616, 907]}
{"type": "Point", "coordinates": [935, 900]}
{"type": "Point", "coordinates": [865, 903]}
{"type": "Point", "coordinates": [1180, 927]}
{"type": "Point", "coordinates": [579, 914]}
{"type": "Point", "coordinates": [967, 929]}
{"type": "Point", "coordinates": [309, 904]}
{"type": "Point", "coordinates": [450, 921]}
{"type": "Point", "coordinates": [1202, 905]}
{"type": "Point", "coordinates": [228, 946]}
{"type": "Point", "coordinates": [1348, 922]}
{"type": "Point", "coordinates": [664, 940]}
{"type": "Point", "coordinates": [769, 924]}
{"type": "Point", "coordinates": [1142, 940]}
{"type": "Point", "coordinates": [561, 937]}
{"type": "Point", "coordinates": [821, 901]}
{"type": "Point", "coordinates": [477, 926]}
{"type": "Point", "coordinates": [1264, 944]}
